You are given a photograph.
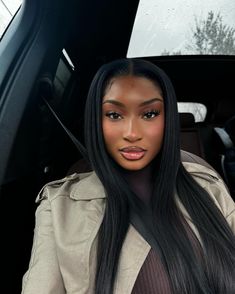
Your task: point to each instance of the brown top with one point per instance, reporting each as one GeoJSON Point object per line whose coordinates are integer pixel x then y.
{"type": "Point", "coordinates": [153, 278]}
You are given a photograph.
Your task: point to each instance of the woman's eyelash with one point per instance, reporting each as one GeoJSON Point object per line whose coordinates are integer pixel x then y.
{"type": "Point", "coordinates": [113, 115]}
{"type": "Point", "coordinates": [151, 114]}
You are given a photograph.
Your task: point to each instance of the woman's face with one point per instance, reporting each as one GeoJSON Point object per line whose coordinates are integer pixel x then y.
{"type": "Point", "coordinates": [133, 121]}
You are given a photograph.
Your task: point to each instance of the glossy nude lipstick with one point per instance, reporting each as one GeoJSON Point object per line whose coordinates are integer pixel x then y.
{"type": "Point", "coordinates": [132, 152]}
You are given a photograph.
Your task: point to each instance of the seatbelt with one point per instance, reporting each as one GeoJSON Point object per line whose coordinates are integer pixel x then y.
{"type": "Point", "coordinates": [224, 136]}
{"type": "Point", "coordinates": [139, 223]}
{"type": "Point", "coordinates": [75, 141]}
{"type": "Point", "coordinates": [228, 158]}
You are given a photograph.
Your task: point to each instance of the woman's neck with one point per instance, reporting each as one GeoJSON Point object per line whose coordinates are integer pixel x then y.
{"type": "Point", "coordinates": [140, 182]}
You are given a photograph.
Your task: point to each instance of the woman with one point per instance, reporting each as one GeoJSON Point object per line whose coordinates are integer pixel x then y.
{"type": "Point", "coordinates": [84, 242]}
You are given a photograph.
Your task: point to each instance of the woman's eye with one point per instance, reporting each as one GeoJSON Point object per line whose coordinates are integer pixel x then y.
{"type": "Point", "coordinates": [113, 115]}
{"type": "Point", "coordinates": [151, 114]}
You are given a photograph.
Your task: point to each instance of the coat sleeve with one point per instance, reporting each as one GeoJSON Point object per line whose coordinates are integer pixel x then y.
{"type": "Point", "coordinates": [43, 275]}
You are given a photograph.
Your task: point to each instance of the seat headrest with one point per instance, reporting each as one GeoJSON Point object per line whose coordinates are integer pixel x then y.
{"type": "Point", "coordinates": [187, 119]}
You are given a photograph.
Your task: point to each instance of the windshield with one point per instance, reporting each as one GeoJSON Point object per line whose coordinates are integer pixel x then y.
{"type": "Point", "coordinates": [182, 27]}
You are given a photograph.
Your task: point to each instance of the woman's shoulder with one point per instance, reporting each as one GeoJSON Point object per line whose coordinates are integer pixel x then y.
{"type": "Point", "coordinates": [203, 172]}
{"type": "Point", "coordinates": [82, 186]}
{"type": "Point", "coordinates": [211, 181]}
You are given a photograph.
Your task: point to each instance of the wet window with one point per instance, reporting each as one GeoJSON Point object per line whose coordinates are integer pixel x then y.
{"type": "Point", "coordinates": [183, 27]}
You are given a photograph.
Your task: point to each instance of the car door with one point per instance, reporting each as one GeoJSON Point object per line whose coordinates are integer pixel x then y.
{"type": "Point", "coordinates": [30, 49]}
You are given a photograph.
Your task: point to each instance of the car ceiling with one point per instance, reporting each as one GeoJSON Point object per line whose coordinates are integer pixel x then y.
{"type": "Point", "coordinates": [101, 29]}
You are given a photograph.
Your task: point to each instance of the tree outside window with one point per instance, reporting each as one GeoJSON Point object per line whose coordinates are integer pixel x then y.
{"type": "Point", "coordinates": [212, 36]}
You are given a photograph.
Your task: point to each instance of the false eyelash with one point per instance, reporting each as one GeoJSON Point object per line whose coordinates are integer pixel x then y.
{"type": "Point", "coordinates": [108, 114]}
{"type": "Point", "coordinates": [153, 111]}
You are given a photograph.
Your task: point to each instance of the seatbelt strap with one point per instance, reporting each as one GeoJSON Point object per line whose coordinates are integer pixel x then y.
{"type": "Point", "coordinates": [228, 144]}
{"type": "Point", "coordinates": [224, 136]}
{"type": "Point", "coordinates": [75, 141]}
{"type": "Point", "coordinates": [140, 225]}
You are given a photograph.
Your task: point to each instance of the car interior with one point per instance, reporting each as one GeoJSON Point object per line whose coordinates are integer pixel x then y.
{"type": "Point", "coordinates": [34, 65]}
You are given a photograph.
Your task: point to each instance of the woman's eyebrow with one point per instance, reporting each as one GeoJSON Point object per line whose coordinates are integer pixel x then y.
{"type": "Point", "coordinates": [115, 102]}
{"type": "Point", "coordinates": [151, 101]}
{"type": "Point", "coordinates": [147, 102]}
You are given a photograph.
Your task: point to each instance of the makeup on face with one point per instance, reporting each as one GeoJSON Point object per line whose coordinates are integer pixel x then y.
{"type": "Point", "coordinates": [133, 121]}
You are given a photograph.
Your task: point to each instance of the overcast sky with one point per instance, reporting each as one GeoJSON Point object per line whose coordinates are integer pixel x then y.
{"type": "Point", "coordinates": [167, 24]}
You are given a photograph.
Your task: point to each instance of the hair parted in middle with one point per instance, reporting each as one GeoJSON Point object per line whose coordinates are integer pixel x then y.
{"type": "Point", "coordinates": [186, 273]}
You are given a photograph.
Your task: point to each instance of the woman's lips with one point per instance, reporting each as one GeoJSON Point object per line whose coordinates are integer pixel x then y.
{"type": "Point", "coordinates": [132, 153]}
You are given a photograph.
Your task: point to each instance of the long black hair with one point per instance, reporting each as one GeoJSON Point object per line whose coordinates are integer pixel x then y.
{"type": "Point", "coordinates": [215, 271]}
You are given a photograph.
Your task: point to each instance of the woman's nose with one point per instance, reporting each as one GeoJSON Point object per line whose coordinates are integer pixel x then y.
{"type": "Point", "coordinates": [132, 131]}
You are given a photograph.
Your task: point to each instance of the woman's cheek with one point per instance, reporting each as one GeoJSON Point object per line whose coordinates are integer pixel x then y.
{"type": "Point", "coordinates": [155, 130]}
{"type": "Point", "coordinates": [111, 131]}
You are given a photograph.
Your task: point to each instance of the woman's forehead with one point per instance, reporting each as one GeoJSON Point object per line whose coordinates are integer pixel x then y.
{"type": "Point", "coordinates": [121, 84]}
{"type": "Point", "coordinates": [132, 92]}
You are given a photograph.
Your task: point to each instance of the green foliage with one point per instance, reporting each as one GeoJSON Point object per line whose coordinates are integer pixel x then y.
{"type": "Point", "coordinates": [211, 36]}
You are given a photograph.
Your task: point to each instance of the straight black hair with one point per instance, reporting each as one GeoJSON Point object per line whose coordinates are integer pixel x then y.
{"type": "Point", "coordinates": [215, 271]}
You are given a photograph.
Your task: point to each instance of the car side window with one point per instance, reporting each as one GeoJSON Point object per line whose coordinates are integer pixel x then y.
{"type": "Point", "coordinates": [8, 9]}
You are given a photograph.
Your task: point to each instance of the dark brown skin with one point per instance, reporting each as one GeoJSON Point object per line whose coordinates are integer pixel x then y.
{"type": "Point", "coordinates": [133, 121]}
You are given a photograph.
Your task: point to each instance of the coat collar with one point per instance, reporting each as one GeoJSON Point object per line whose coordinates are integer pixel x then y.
{"type": "Point", "coordinates": [88, 187]}
{"type": "Point", "coordinates": [201, 171]}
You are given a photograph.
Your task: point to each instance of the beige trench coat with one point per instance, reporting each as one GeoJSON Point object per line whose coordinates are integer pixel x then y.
{"type": "Point", "coordinates": [63, 258]}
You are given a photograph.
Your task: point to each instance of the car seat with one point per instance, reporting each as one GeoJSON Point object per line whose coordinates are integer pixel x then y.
{"type": "Point", "coordinates": [190, 135]}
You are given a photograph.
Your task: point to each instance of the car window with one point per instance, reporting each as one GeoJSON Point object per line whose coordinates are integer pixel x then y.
{"type": "Point", "coordinates": [8, 9]}
{"type": "Point", "coordinates": [183, 27]}
{"type": "Point", "coordinates": [63, 75]}
{"type": "Point", "coordinates": [198, 110]}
